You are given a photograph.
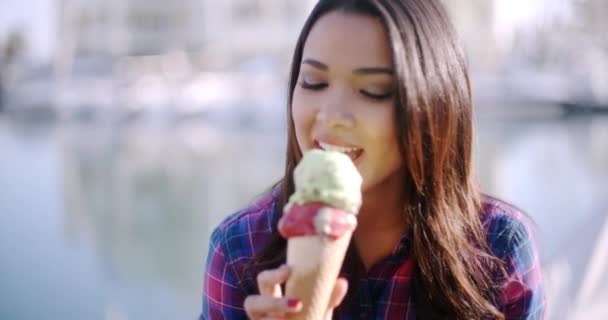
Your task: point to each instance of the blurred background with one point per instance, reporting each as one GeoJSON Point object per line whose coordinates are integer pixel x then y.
{"type": "Point", "coordinates": [130, 128]}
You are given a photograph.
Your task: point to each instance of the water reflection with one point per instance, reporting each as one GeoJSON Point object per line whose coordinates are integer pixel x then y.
{"type": "Point", "coordinates": [558, 172]}
{"type": "Point", "coordinates": [555, 170]}
{"type": "Point", "coordinates": [112, 221]}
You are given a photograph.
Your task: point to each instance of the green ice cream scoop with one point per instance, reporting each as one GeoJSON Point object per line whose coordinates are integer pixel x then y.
{"type": "Point", "coordinates": [329, 177]}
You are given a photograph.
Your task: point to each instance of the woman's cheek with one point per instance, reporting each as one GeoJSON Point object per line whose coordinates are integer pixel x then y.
{"type": "Point", "coordinates": [301, 118]}
{"type": "Point", "coordinates": [302, 110]}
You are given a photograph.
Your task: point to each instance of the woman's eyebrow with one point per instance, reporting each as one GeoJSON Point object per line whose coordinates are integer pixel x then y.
{"type": "Point", "coordinates": [373, 70]}
{"type": "Point", "coordinates": [316, 64]}
{"type": "Point", "coordinates": [360, 71]}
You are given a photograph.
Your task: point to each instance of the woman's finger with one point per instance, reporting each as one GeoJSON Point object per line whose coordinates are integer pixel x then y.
{"type": "Point", "coordinates": [257, 306]}
{"type": "Point", "coordinates": [337, 295]}
{"type": "Point", "coordinates": [269, 281]}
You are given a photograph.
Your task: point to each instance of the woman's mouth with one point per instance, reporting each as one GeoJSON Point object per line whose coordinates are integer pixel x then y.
{"type": "Point", "coordinates": [352, 152]}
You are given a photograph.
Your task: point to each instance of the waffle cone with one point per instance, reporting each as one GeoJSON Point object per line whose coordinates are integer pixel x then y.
{"type": "Point", "coordinates": [315, 263]}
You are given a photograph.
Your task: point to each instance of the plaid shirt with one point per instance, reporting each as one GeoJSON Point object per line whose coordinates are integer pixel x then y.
{"type": "Point", "coordinates": [385, 289]}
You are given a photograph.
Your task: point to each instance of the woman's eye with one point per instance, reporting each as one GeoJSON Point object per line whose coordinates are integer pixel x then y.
{"type": "Point", "coordinates": [313, 86]}
{"type": "Point", "coordinates": [377, 96]}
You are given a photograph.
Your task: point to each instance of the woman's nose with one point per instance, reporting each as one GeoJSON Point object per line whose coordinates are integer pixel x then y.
{"type": "Point", "coordinates": [334, 111]}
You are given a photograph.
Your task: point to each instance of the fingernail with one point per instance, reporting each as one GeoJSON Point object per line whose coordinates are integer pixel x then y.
{"type": "Point", "coordinates": [293, 303]}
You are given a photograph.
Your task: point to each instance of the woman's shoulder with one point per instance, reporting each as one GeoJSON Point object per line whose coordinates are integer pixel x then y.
{"type": "Point", "coordinates": [511, 239]}
{"type": "Point", "coordinates": [507, 227]}
{"type": "Point", "coordinates": [244, 232]}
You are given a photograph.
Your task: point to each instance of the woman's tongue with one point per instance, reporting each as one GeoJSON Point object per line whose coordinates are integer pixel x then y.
{"type": "Point", "coordinates": [354, 154]}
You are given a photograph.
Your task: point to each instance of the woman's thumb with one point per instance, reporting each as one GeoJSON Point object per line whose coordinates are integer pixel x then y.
{"type": "Point", "coordinates": [338, 294]}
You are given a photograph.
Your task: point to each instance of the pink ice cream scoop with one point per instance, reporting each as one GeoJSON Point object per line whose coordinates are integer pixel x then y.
{"type": "Point", "coordinates": [316, 219]}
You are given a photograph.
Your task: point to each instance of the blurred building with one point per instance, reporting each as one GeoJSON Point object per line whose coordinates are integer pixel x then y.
{"type": "Point", "coordinates": [551, 51]}
{"type": "Point", "coordinates": [128, 27]}
{"type": "Point", "coordinates": [106, 52]}
{"type": "Point", "coordinates": [150, 54]}
{"type": "Point", "coordinates": [147, 27]}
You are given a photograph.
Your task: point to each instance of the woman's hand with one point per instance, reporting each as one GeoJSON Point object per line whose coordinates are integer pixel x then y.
{"type": "Point", "coordinates": [270, 303]}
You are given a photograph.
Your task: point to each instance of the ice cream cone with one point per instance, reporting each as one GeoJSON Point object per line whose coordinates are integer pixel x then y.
{"type": "Point", "coordinates": [318, 223]}
{"type": "Point", "coordinates": [315, 263]}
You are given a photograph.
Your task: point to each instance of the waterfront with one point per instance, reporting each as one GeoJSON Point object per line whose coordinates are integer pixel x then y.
{"type": "Point", "coordinates": [105, 221]}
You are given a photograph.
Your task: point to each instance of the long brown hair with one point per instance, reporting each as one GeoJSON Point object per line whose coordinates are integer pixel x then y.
{"type": "Point", "coordinates": [454, 266]}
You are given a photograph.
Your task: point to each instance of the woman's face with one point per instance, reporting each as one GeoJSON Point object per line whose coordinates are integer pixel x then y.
{"type": "Point", "coordinates": [345, 96]}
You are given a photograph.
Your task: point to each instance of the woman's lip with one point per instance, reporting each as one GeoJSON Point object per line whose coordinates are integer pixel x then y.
{"type": "Point", "coordinates": [355, 160]}
{"type": "Point", "coordinates": [334, 142]}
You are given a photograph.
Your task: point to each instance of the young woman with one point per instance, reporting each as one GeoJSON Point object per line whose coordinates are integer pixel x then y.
{"type": "Point", "coordinates": [386, 79]}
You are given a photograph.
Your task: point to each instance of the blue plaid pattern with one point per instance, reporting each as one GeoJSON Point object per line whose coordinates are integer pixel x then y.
{"type": "Point", "coordinates": [384, 291]}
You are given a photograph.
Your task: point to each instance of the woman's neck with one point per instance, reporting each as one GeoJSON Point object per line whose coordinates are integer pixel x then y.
{"type": "Point", "coordinates": [380, 212]}
{"type": "Point", "coordinates": [383, 205]}
{"type": "Point", "coordinates": [380, 222]}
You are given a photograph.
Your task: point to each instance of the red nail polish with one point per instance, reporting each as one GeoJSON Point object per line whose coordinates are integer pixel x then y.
{"type": "Point", "coordinates": [293, 303]}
